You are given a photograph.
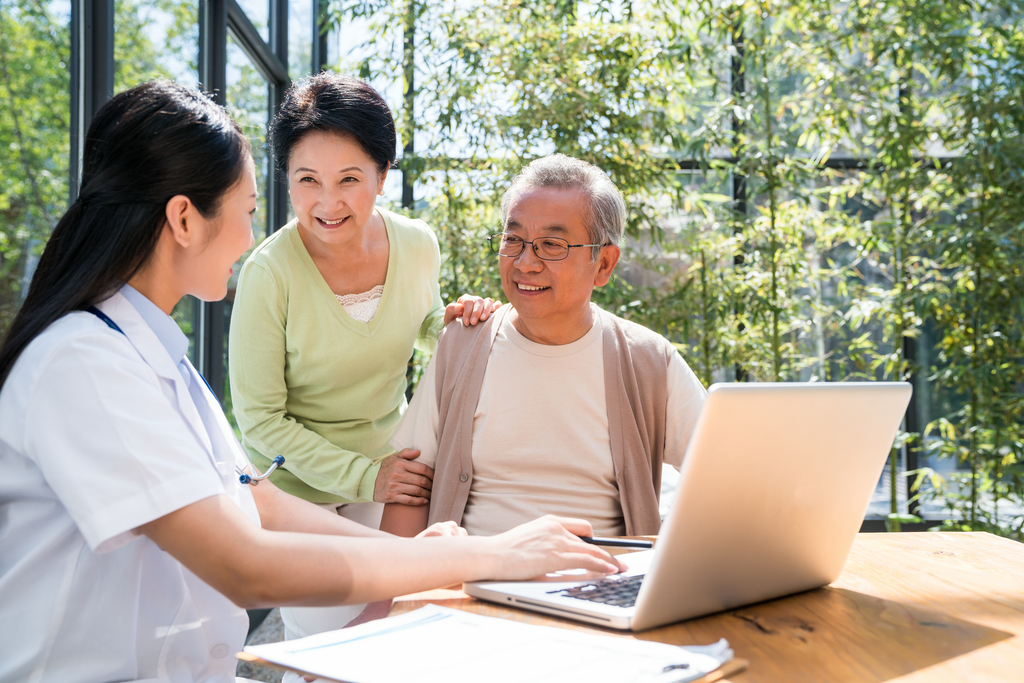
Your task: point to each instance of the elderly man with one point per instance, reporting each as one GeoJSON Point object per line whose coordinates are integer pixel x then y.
{"type": "Point", "coordinates": [553, 405]}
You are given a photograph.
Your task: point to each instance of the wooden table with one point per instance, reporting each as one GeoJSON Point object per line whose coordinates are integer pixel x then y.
{"type": "Point", "coordinates": [908, 607]}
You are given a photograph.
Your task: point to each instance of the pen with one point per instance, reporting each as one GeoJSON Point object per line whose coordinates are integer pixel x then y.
{"type": "Point", "coordinates": [618, 542]}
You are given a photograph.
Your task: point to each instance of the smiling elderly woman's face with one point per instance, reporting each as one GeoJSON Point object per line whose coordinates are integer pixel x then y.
{"type": "Point", "coordinates": [333, 185]}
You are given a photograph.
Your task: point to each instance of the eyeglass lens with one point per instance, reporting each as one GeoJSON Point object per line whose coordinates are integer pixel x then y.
{"type": "Point", "coordinates": [551, 248]}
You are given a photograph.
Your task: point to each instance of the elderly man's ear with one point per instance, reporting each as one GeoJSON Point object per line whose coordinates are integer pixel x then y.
{"type": "Point", "coordinates": [606, 264]}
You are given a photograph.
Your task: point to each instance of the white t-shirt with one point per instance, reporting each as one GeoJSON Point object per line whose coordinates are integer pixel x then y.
{"type": "Point", "coordinates": [99, 434]}
{"type": "Point", "coordinates": [540, 432]}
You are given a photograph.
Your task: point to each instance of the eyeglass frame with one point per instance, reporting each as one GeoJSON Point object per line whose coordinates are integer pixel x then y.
{"type": "Point", "coordinates": [490, 240]}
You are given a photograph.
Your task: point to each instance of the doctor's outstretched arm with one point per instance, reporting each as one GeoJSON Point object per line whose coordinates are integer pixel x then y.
{"type": "Point", "coordinates": [311, 565]}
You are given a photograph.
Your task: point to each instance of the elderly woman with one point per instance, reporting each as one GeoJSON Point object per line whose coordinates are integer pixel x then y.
{"type": "Point", "coordinates": [328, 312]}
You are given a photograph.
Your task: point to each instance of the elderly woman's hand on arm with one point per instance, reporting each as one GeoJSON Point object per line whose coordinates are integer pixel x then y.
{"type": "Point", "coordinates": [402, 480]}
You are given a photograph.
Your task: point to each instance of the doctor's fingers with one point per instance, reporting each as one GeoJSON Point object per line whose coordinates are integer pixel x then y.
{"type": "Point", "coordinates": [545, 545]}
{"type": "Point", "coordinates": [573, 525]}
{"type": "Point", "coordinates": [575, 549]}
{"type": "Point", "coordinates": [575, 554]}
{"type": "Point", "coordinates": [538, 556]}
{"type": "Point", "coordinates": [586, 560]}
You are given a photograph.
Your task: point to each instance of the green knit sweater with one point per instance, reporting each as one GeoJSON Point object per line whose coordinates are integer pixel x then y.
{"type": "Point", "coordinates": [315, 385]}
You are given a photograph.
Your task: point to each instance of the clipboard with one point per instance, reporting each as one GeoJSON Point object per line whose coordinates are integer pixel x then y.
{"type": "Point", "coordinates": [444, 645]}
{"type": "Point", "coordinates": [722, 673]}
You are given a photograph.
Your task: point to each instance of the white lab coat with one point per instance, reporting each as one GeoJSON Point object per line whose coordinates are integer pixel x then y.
{"type": "Point", "coordinates": [99, 435]}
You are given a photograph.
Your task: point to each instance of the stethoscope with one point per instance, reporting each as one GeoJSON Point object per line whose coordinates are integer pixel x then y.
{"type": "Point", "coordinates": [251, 480]}
{"type": "Point", "coordinates": [243, 476]}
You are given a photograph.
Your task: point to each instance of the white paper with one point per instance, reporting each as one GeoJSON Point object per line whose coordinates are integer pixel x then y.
{"type": "Point", "coordinates": [439, 645]}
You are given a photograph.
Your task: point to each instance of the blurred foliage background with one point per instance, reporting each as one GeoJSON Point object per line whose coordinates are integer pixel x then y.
{"type": "Point", "coordinates": [819, 190]}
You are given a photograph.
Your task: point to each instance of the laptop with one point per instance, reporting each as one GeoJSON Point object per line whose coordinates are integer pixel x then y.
{"type": "Point", "coordinates": [772, 492]}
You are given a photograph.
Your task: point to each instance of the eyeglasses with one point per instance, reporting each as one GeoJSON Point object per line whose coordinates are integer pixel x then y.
{"type": "Point", "coordinates": [546, 248]}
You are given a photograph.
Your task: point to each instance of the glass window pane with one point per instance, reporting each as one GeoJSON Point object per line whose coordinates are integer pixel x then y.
{"type": "Point", "coordinates": [248, 100]}
{"type": "Point", "coordinates": [35, 53]}
{"type": "Point", "coordinates": [159, 39]}
{"type": "Point", "coordinates": [258, 12]}
{"type": "Point", "coordinates": [184, 314]}
{"type": "Point", "coordinates": [155, 39]}
{"type": "Point", "coordinates": [300, 38]}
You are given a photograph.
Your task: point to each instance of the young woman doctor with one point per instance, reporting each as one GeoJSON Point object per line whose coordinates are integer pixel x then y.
{"type": "Point", "coordinates": [128, 546]}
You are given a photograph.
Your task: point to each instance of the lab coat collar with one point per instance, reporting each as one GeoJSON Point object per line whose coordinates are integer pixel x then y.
{"type": "Point", "coordinates": [166, 330]}
{"type": "Point", "coordinates": [146, 342]}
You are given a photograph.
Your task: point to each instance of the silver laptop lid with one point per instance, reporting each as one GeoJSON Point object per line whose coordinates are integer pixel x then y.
{"type": "Point", "coordinates": [772, 493]}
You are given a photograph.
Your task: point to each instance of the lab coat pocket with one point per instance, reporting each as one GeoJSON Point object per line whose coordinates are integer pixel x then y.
{"type": "Point", "coordinates": [183, 655]}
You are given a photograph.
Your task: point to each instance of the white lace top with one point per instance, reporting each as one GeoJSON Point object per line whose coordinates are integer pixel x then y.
{"type": "Point", "coordinates": [363, 306]}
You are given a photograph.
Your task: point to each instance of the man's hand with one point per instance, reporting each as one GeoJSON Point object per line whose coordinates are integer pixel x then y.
{"type": "Point", "coordinates": [402, 480]}
{"type": "Point", "coordinates": [472, 309]}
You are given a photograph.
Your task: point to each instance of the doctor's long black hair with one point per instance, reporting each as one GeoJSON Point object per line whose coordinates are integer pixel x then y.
{"type": "Point", "coordinates": [144, 146]}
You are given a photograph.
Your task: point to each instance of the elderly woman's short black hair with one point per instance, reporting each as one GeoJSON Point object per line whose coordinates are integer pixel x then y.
{"type": "Point", "coordinates": [331, 103]}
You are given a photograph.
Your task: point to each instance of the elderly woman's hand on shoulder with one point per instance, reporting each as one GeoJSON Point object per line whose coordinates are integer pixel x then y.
{"type": "Point", "coordinates": [472, 309]}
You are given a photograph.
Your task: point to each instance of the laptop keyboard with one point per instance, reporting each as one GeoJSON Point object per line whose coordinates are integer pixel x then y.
{"type": "Point", "coordinates": [620, 591]}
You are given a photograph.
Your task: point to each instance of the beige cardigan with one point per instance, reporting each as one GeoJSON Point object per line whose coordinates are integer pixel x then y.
{"type": "Point", "coordinates": [636, 391]}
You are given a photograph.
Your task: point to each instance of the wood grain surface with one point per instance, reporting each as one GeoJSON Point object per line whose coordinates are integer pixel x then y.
{"type": "Point", "coordinates": [911, 607]}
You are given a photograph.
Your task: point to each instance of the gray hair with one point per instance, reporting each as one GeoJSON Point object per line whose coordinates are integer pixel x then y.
{"type": "Point", "coordinates": [605, 215]}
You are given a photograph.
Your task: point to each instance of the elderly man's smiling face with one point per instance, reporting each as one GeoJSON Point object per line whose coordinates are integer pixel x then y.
{"type": "Point", "coordinates": [552, 298]}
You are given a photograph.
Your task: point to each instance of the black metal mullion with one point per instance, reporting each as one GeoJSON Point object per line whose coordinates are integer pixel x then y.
{"type": "Point", "coordinates": [271, 59]}
{"type": "Point", "coordinates": [911, 422]}
{"type": "Point", "coordinates": [208, 317]}
{"type": "Point", "coordinates": [277, 192]}
{"type": "Point", "coordinates": [92, 74]}
{"type": "Point", "coordinates": [409, 105]}
{"type": "Point", "coordinates": [319, 37]}
{"type": "Point", "coordinates": [252, 43]}
{"type": "Point", "coordinates": [213, 48]}
{"type": "Point", "coordinates": [279, 31]}
{"type": "Point", "coordinates": [737, 87]}
{"type": "Point", "coordinates": [909, 348]}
